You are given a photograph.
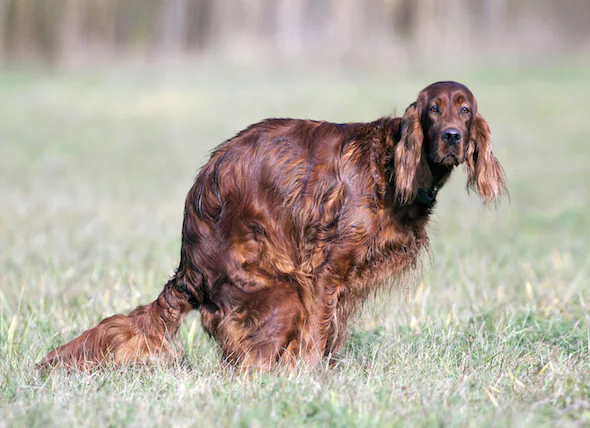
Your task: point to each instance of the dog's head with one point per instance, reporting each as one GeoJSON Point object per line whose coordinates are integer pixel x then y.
{"type": "Point", "coordinates": [443, 127]}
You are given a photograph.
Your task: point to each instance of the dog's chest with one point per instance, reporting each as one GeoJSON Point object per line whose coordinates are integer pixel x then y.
{"type": "Point", "coordinates": [395, 250]}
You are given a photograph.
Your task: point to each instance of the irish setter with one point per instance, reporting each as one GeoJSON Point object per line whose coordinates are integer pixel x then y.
{"type": "Point", "coordinates": [293, 223]}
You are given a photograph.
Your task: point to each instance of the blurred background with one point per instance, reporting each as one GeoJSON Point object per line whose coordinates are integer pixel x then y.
{"type": "Point", "coordinates": [346, 32]}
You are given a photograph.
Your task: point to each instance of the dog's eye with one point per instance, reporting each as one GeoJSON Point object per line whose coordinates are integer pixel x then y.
{"type": "Point", "coordinates": [464, 110]}
{"type": "Point", "coordinates": [434, 109]}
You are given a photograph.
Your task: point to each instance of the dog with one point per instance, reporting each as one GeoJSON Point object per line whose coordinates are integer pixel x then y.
{"type": "Point", "coordinates": [291, 224]}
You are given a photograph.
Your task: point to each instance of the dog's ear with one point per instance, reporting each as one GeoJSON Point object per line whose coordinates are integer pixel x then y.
{"type": "Point", "coordinates": [484, 172]}
{"type": "Point", "coordinates": [407, 154]}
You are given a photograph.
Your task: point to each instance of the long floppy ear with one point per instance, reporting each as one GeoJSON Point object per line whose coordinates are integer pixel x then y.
{"type": "Point", "coordinates": [407, 154]}
{"type": "Point", "coordinates": [484, 172]}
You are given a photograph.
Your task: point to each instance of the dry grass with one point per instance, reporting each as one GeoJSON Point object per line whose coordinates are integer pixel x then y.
{"type": "Point", "coordinates": [93, 173]}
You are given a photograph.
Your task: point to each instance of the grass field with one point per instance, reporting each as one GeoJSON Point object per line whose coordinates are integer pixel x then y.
{"type": "Point", "coordinates": [94, 168]}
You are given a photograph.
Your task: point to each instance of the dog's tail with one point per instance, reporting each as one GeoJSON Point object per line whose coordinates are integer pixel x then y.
{"type": "Point", "coordinates": [147, 333]}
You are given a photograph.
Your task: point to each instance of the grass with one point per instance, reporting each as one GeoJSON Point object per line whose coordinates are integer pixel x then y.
{"type": "Point", "coordinates": [93, 172]}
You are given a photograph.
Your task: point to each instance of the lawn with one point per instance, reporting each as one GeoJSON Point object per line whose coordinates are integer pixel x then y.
{"type": "Point", "coordinates": [94, 167]}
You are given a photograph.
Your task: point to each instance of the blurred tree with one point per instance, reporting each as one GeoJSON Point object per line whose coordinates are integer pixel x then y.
{"type": "Point", "coordinates": [49, 30]}
{"type": "Point", "coordinates": [173, 22]}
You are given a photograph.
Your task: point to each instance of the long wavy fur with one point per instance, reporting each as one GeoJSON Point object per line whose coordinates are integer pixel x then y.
{"type": "Point", "coordinates": [407, 155]}
{"type": "Point", "coordinates": [484, 172]}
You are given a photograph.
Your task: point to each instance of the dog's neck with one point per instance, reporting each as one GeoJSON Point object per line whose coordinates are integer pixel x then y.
{"type": "Point", "coordinates": [428, 190]}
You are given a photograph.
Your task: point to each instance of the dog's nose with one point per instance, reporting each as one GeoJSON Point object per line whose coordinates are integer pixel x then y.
{"type": "Point", "coordinates": [451, 136]}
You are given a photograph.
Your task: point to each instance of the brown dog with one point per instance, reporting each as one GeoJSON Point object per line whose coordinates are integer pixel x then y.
{"type": "Point", "coordinates": [292, 223]}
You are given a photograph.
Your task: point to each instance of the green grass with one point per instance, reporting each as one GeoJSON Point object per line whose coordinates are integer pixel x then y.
{"type": "Point", "coordinates": [93, 172]}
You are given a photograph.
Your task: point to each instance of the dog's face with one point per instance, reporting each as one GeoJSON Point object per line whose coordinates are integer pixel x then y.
{"type": "Point", "coordinates": [443, 127]}
{"type": "Point", "coordinates": [447, 112]}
